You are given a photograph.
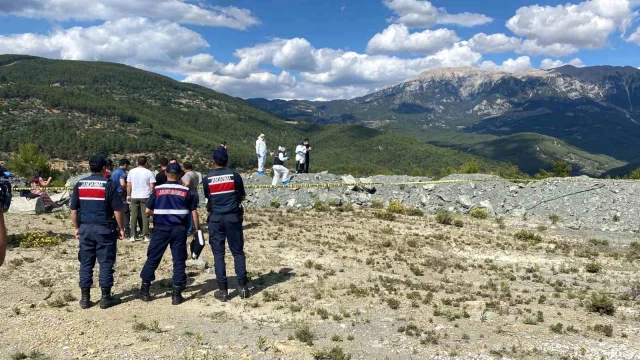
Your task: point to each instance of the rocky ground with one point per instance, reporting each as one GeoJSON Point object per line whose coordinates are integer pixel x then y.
{"type": "Point", "coordinates": [337, 283]}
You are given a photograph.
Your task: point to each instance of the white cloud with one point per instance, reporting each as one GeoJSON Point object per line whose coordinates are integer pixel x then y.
{"type": "Point", "coordinates": [532, 47]}
{"type": "Point", "coordinates": [268, 85]}
{"type": "Point", "coordinates": [495, 43]}
{"type": "Point", "coordinates": [551, 64]}
{"type": "Point", "coordinates": [421, 13]}
{"type": "Point", "coordinates": [179, 11]}
{"type": "Point", "coordinates": [133, 41]}
{"type": "Point", "coordinates": [397, 39]}
{"type": "Point", "coordinates": [565, 29]}
{"type": "Point", "coordinates": [635, 37]}
{"type": "Point", "coordinates": [510, 65]}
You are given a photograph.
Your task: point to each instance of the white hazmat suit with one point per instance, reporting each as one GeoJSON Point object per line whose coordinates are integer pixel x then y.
{"type": "Point", "coordinates": [261, 153]}
{"type": "Point", "coordinates": [280, 172]}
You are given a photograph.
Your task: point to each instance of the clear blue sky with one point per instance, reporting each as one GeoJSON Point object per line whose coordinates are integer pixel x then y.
{"type": "Point", "coordinates": [322, 49]}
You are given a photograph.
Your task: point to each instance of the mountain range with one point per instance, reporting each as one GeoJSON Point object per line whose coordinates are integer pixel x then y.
{"type": "Point", "coordinates": [73, 109]}
{"type": "Point", "coordinates": [587, 116]}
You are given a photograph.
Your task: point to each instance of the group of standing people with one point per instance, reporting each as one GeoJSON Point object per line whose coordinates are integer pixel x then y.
{"type": "Point", "coordinates": [280, 171]}
{"type": "Point", "coordinates": [98, 205]}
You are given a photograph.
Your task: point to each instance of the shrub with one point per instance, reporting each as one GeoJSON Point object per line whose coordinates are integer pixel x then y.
{"type": "Point", "coordinates": [275, 203]}
{"type": "Point", "coordinates": [602, 304]}
{"type": "Point", "coordinates": [458, 223]}
{"type": "Point", "coordinates": [320, 206]}
{"type": "Point", "coordinates": [27, 160]}
{"type": "Point", "coordinates": [561, 168]}
{"type": "Point", "coordinates": [393, 303]}
{"type": "Point", "coordinates": [395, 207]}
{"type": "Point", "coordinates": [606, 330]}
{"type": "Point", "coordinates": [384, 215]}
{"type": "Point", "coordinates": [599, 242]}
{"type": "Point", "coordinates": [528, 236]}
{"type": "Point", "coordinates": [444, 217]}
{"type": "Point", "coordinates": [593, 267]}
{"type": "Point", "coordinates": [557, 328]}
{"type": "Point", "coordinates": [334, 354]}
{"type": "Point", "coordinates": [348, 207]}
{"type": "Point", "coordinates": [554, 218]}
{"type": "Point", "coordinates": [479, 213]}
{"type": "Point", "coordinates": [377, 204]}
{"type": "Point", "coordinates": [415, 212]}
{"type": "Point", "coordinates": [35, 240]}
{"type": "Point", "coordinates": [304, 335]}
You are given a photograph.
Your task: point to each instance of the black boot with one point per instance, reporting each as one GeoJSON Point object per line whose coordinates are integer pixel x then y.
{"type": "Point", "coordinates": [144, 292]}
{"type": "Point", "coordinates": [176, 295]}
{"type": "Point", "coordinates": [85, 300]}
{"type": "Point", "coordinates": [108, 300]}
{"type": "Point", "coordinates": [243, 289]}
{"type": "Point", "coordinates": [222, 293]}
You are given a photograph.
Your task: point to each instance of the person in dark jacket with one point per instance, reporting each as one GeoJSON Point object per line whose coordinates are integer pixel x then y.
{"type": "Point", "coordinates": [224, 190]}
{"type": "Point", "coordinates": [306, 156]}
{"type": "Point", "coordinates": [96, 213]}
{"type": "Point", "coordinates": [173, 208]}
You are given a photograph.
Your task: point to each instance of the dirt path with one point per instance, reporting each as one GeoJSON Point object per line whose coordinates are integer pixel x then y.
{"type": "Point", "coordinates": [404, 289]}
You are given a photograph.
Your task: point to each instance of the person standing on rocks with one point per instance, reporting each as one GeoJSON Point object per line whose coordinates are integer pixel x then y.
{"type": "Point", "coordinates": [280, 172]}
{"type": "Point", "coordinates": [191, 180]}
{"type": "Point", "coordinates": [301, 153]}
{"type": "Point", "coordinates": [96, 213]}
{"type": "Point", "coordinates": [306, 155]}
{"type": "Point", "coordinates": [174, 208]}
{"type": "Point", "coordinates": [261, 153]}
{"type": "Point", "coordinates": [224, 190]}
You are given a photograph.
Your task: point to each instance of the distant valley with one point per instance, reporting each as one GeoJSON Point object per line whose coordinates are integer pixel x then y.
{"type": "Point", "coordinates": [589, 116]}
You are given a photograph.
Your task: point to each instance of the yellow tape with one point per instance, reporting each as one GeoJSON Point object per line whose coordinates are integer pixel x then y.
{"type": "Point", "coordinates": [368, 184]}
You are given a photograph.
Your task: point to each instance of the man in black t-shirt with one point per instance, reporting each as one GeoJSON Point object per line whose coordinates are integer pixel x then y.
{"type": "Point", "coordinates": [306, 156]}
{"type": "Point", "coordinates": [161, 177]}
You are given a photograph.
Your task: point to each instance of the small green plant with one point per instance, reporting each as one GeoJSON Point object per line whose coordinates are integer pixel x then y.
{"type": "Point", "coordinates": [415, 212]}
{"type": "Point", "coordinates": [387, 230]}
{"type": "Point", "coordinates": [320, 206]}
{"type": "Point", "coordinates": [348, 207]}
{"type": "Point", "coordinates": [395, 207]}
{"type": "Point", "coordinates": [304, 335]}
{"type": "Point", "coordinates": [35, 240]}
{"type": "Point", "coordinates": [602, 304]}
{"type": "Point", "coordinates": [336, 338]}
{"type": "Point", "coordinates": [444, 217]}
{"type": "Point", "coordinates": [458, 223]}
{"type": "Point", "coordinates": [270, 296]}
{"type": "Point", "coordinates": [384, 215]}
{"type": "Point", "coordinates": [59, 302]}
{"type": "Point", "coordinates": [323, 313]}
{"type": "Point", "coordinates": [479, 213]}
{"type": "Point", "coordinates": [46, 282]}
{"type": "Point", "coordinates": [557, 328]}
{"type": "Point", "coordinates": [139, 326]}
{"type": "Point", "coordinates": [261, 343]}
{"type": "Point", "coordinates": [606, 330]}
{"type": "Point", "coordinates": [335, 353]}
{"type": "Point", "coordinates": [528, 236]}
{"type": "Point", "coordinates": [275, 203]}
{"type": "Point", "coordinates": [377, 204]}
{"type": "Point", "coordinates": [393, 303]}
{"type": "Point", "coordinates": [554, 219]}
{"type": "Point", "coordinates": [529, 320]}
{"type": "Point", "coordinates": [599, 242]}
{"type": "Point", "coordinates": [351, 237]}
{"type": "Point", "coordinates": [593, 267]}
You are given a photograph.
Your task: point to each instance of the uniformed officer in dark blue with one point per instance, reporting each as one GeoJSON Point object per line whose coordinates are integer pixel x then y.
{"type": "Point", "coordinates": [97, 214]}
{"type": "Point", "coordinates": [224, 190]}
{"type": "Point", "coordinates": [171, 204]}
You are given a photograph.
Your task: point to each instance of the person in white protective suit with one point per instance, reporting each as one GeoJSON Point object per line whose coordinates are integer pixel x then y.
{"type": "Point", "coordinates": [280, 172]}
{"type": "Point", "coordinates": [261, 153]}
{"type": "Point", "coordinates": [301, 150]}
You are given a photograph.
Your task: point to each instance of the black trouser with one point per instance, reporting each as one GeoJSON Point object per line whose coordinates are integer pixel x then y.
{"type": "Point", "coordinates": [306, 165]}
{"type": "Point", "coordinates": [163, 236]}
{"type": "Point", "coordinates": [97, 242]}
{"type": "Point", "coordinates": [228, 227]}
{"type": "Point", "coordinates": [127, 214]}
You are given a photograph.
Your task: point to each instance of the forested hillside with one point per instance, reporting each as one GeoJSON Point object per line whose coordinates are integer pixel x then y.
{"type": "Point", "coordinates": [72, 109]}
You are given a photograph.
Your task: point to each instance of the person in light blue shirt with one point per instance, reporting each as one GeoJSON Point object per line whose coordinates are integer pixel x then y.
{"type": "Point", "coordinates": [119, 177]}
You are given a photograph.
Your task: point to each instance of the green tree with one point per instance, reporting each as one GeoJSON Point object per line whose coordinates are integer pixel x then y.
{"type": "Point", "coordinates": [635, 175]}
{"type": "Point", "coordinates": [470, 167]}
{"type": "Point", "coordinates": [561, 168]}
{"type": "Point", "coordinates": [27, 160]}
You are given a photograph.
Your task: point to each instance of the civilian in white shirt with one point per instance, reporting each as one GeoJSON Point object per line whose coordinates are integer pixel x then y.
{"type": "Point", "coordinates": [140, 183]}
